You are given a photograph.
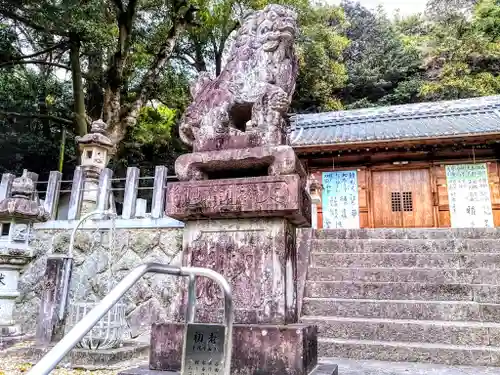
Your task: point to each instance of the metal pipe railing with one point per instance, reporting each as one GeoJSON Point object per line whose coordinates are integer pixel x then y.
{"type": "Point", "coordinates": [69, 341]}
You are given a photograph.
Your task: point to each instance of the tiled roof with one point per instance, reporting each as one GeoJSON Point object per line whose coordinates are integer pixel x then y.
{"type": "Point", "coordinates": [411, 121]}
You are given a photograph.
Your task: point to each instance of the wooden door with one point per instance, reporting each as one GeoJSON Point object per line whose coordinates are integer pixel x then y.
{"type": "Point", "coordinates": [385, 215]}
{"type": "Point", "coordinates": [416, 198]}
{"type": "Point", "coordinates": [402, 198]}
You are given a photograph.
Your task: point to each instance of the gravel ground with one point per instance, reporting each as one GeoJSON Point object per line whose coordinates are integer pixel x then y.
{"type": "Point", "coordinates": [356, 367]}
{"type": "Point", "coordinates": [18, 366]}
{"type": "Point", "coordinates": [14, 363]}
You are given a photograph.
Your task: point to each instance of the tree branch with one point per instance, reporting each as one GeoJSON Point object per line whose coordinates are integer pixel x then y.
{"type": "Point", "coordinates": [49, 49]}
{"type": "Point", "coordinates": [119, 5]}
{"type": "Point", "coordinates": [35, 62]}
{"type": "Point", "coordinates": [36, 115]}
{"type": "Point", "coordinates": [29, 23]}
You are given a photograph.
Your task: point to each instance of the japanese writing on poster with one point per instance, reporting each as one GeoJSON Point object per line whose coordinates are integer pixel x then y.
{"type": "Point", "coordinates": [204, 349]}
{"type": "Point", "coordinates": [340, 200]}
{"type": "Point", "coordinates": [469, 196]}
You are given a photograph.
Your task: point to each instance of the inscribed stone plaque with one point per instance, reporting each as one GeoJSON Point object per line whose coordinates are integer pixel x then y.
{"type": "Point", "coordinates": [204, 349]}
{"type": "Point", "coordinates": [340, 200]}
{"type": "Point", "coordinates": [469, 196]}
{"type": "Point", "coordinates": [271, 196]}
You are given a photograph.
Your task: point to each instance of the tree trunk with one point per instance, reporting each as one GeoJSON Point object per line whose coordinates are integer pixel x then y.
{"type": "Point", "coordinates": [95, 95]}
{"type": "Point", "coordinates": [218, 63]}
{"type": "Point", "coordinates": [78, 93]}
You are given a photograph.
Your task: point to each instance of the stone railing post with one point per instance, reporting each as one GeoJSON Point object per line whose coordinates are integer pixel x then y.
{"type": "Point", "coordinates": [160, 182]}
{"type": "Point", "coordinates": [104, 189]}
{"type": "Point", "coordinates": [131, 190]}
{"type": "Point", "coordinates": [75, 200]}
{"type": "Point", "coordinates": [52, 195]}
{"type": "Point", "coordinates": [6, 185]}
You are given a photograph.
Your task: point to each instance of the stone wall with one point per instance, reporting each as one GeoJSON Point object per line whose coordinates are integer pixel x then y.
{"type": "Point", "coordinates": [147, 302]}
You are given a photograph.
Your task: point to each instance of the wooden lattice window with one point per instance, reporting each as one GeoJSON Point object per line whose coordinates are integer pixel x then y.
{"type": "Point", "coordinates": [407, 201]}
{"type": "Point", "coordinates": [396, 201]}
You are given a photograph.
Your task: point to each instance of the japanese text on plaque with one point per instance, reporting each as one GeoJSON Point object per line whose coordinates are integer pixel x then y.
{"type": "Point", "coordinates": [340, 200]}
{"type": "Point", "coordinates": [469, 196]}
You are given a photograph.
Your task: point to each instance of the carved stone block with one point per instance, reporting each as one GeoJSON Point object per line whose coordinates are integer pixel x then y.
{"type": "Point", "coordinates": [228, 141]}
{"type": "Point", "coordinates": [257, 349]}
{"type": "Point", "coordinates": [50, 327]}
{"type": "Point", "coordinates": [281, 196]}
{"type": "Point", "coordinates": [237, 163]}
{"type": "Point", "coordinates": [257, 257]}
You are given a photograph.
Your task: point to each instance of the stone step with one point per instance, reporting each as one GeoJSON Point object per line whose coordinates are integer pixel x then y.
{"type": "Point", "coordinates": [376, 245]}
{"type": "Point", "coordinates": [427, 260]}
{"type": "Point", "coordinates": [381, 274]}
{"type": "Point", "coordinates": [403, 291]}
{"type": "Point", "coordinates": [413, 233]}
{"type": "Point", "coordinates": [410, 352]}
{"type": "Point", "coordinates": [402, 309]}
{"type": "Point", "coordinates": [433, 332]}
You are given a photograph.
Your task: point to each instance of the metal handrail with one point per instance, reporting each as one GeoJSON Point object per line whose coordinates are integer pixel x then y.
{"type": "Point", "coordinates": [69, 341]}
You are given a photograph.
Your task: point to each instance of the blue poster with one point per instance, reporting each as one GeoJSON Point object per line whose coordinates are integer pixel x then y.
{"type": "Point", "coordinates": [340, 200]}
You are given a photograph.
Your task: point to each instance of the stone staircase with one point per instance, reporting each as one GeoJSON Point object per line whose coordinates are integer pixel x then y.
{"type": "Point", "coordinates": [429, 295]}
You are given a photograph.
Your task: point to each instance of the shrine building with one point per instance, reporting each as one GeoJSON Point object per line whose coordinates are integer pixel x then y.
{"type": "Point", "coordinates": [419, 165]}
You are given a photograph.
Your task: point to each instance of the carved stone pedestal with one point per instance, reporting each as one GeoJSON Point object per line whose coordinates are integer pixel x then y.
{"type": "Point", "coordinates": [244, 228]}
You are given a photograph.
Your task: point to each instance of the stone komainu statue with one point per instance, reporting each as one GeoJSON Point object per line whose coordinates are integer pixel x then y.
{"type": "Point", "coordinates": [254, 90]}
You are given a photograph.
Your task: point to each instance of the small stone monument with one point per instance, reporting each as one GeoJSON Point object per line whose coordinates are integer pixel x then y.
{"type": "Point", "coordinates": [95, 150]}
{"type": "Point", "coordinates": [315, 190]}
{"type": "Point", "coordinates": [242, 195]}
{"type": "Point", "coordinates": [17, 215]}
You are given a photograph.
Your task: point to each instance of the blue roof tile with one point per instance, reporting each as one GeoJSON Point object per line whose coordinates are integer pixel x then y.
{"type": "Point", "coordinates": [412, 121]}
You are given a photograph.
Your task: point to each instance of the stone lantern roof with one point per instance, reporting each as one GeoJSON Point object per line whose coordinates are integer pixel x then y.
{"type": "Point", "coordinates": [20, 205]}
{"type": "Point", "coordinates": [96, 137]}
{"type": "Point", "coordinates": [314, 185]}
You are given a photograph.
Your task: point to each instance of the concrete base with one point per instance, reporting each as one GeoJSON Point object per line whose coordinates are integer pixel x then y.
{"type": "Point", "coordinates": [319, 370]}
{"type": "Point", "coordinates": [257, 349]}
{"type": "Point", "coordinates": [8, 341]}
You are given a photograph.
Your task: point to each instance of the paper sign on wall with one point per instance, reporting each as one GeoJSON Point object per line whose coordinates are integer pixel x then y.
{"type": "Point", "coordinates": [469, 196]}
{"type": "Point", "coordinates": [340, 200]}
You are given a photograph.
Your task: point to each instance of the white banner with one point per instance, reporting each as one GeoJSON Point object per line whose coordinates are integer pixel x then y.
{"type": "Point", "coordinates": [340, 200]}
{"type": "Point", "coordinates": [469, 196]}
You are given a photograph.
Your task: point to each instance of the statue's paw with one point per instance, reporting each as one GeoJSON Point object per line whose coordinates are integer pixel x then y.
{"type": "Point", "coordinates": [234, 131]}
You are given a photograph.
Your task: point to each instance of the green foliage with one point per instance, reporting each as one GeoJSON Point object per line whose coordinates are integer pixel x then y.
{"type": "Point", "coordinates": [462, 56]}
{"type": "Point", "coordinates": [383, 67]}
{"type": "Point", "coordinates": [487, 19]}
{"type": "Point", "coordinates": [321, 70]}
{"type": "Point", "coordinates": [33, 142]}
{"type": "Point", "coordinates": [154, 125]}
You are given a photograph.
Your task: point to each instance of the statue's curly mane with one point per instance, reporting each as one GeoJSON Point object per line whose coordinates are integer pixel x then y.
{"type": "Point", "coordinates": [258, 80]}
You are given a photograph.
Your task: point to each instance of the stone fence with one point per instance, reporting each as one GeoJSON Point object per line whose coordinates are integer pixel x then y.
{"type": "Point", "coordinates": [63, 199]}
{"type": "Point", "coordinates": [143, 234]}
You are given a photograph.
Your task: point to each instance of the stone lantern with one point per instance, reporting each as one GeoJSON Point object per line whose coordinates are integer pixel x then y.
{"type": "Point", "coordinates": [315, 190]}
{"type": "Point", "coordinates": [95, 150]}
{"type": "Point", "coordinates": [17, 215]}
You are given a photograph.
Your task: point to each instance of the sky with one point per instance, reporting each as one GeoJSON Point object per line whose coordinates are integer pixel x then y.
{"type": "Point", "coordinates": [406, 7]}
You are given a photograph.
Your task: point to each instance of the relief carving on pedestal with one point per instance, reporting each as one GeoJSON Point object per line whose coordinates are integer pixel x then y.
{"type": "Point", "coordinates": [239, 257]}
